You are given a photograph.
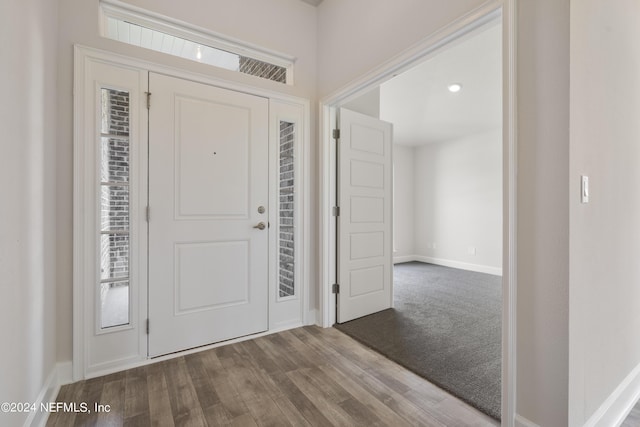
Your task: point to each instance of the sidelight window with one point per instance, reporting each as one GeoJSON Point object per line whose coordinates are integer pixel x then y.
{"type": "Point", "coordinates": [286, 214]}
{"type": "Point", "coordinates": [114, 241]}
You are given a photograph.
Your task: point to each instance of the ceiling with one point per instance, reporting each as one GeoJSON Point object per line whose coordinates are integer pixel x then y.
{"type": "Point", "coordinates": [423, 110]}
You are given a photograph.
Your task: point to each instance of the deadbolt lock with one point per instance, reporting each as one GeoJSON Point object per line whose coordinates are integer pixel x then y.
{"type": "Point", "coordinates": [261, 209]}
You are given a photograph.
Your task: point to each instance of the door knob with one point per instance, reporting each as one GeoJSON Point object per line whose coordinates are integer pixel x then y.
{"type": "Point", "coordinates": [260, 226]}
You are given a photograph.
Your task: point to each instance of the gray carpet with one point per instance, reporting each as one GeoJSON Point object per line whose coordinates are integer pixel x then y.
{"type": "Point", "coordinates": [446, 327]}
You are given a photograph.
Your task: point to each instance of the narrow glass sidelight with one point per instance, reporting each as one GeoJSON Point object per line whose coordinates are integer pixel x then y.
{"type": "Point", "coordinates": [286, 214]}
{"type": "Point", "coordinates": [114, 218]}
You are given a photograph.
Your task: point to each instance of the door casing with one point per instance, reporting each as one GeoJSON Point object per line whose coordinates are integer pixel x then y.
{"type": "Point", "coordinates": [283, 314]}
{"type": "Point", "coordinates": [491, 10]}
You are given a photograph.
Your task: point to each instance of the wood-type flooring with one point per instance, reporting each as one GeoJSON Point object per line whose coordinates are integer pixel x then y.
{"type": "Point", "coordinates": [302, 377]}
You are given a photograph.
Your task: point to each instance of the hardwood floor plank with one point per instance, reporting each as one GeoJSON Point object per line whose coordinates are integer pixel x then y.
{"type": "Point", "coordinates": [303, 377]}
{"type": "Point", "coordinates": [301, 347]}
{"type": "Point", "coordinates": [68, 393]}
{"type": "Point", "coordinates": [291, 412]}
{"type": "Point", "coordinates": [136, 400]}
{"type": "Point", "coordinates": [182, 395]}
{"type": "Point", "coordinates": [92, 393]}
{"type": "Point", "coordinates": [233, 405]}
{"type": "Point", "coordinates": [205, 390]}
{"type": "Point", "coordinates": [266, 413]}
{"type": "Point", "coordinates": [334, 413]}
{"type": "Point", "coordinates": [462, 415]}
{"type": "Point", "coordinates": [217, 415]}
{"type": "Point", "coordinates": [372, 397]}
{"type": "Point", "coordinates": [353, 371]}
{"type": "Point", "coordinates": [300, 401]}
{"type": "Point", "coordinates": [160, 414]}
{"type": "Point", "coordinates": [113, 395]}
{"type": "Point", "coordinates": [140, 420]}
{"type": "Point", "coordinates": [245, 420]}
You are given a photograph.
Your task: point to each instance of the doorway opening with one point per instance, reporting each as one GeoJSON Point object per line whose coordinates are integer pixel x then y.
{"type": "Point", "coordinates": [447, 115]}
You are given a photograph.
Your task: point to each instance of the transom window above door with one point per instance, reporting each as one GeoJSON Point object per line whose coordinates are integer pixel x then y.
{"type": "Point", "coordinates": [166, 35]}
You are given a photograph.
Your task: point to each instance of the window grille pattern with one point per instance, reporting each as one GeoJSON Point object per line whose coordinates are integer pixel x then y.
{"type": "Point", "coordinates": [262, 69]}
{"type": "Point", "coordinates": [114, 208]}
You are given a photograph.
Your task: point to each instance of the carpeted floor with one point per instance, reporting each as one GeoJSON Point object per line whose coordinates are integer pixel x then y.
{"type": "Point", "coordinates": [446, 327]}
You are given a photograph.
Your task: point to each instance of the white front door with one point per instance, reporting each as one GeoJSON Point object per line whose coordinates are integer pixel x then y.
{"type": "Point", "coordinates": [365, 265]}
{"type": "Point", "coordinates": [208, 193]}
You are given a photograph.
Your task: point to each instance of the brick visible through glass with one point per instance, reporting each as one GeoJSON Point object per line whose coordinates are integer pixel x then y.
{"type": "Point", "coordinates": [115, 160]}
{"type": "Point", "coordinates": [114, 262]}
{"type": "Point", "coordinates": [114, 208]}
{"type": "Point", "coordinates": [262, 69]}
{"type": "Point", "coordinates": [114, 202]}
{"type": "Point", "coordinates": [286, 245]}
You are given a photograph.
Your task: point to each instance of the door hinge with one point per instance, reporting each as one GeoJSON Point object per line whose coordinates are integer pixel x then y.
{"type": "Point", "coordinates": [148, 100]}
{"type": "Point", "coordinates": [147, 326]}
{"type": "Point", "coordinates": [148, 213]}
{"type": "Point", "coordinates": [335, 288]}
{"type": "Point", "coordinates": [335, 211]}
{"type": "Point", "coordinates": [336, 134]}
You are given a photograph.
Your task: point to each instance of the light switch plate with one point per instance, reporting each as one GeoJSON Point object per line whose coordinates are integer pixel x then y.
{"type": "Point", "coordinates": [584, 189]}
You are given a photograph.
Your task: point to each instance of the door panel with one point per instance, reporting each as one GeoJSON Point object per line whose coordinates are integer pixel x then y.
{"type": "Point", "coordinates": [364, 228]}
{"type": "Point", "coordinates": [208, 174]}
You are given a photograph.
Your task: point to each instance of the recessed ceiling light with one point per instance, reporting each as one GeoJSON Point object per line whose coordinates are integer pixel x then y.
{"type": "Point", "coordinates": [454, 87]}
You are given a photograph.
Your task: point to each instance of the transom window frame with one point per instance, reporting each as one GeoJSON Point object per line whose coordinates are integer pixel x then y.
{"type": "Point", "coordinates": [207, 39]}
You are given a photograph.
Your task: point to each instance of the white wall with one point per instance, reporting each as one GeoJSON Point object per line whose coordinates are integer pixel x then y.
{"type": "Point", "coordinates": [28, 30]}
{"type": "Point", "coordinates": [605, 233]}
{"type": "Point", "coordinates": [403, 203]}
{"type": "Point", "coordinates": [458, 202]}
{"type": "Point", "coordinates": [287, 26]}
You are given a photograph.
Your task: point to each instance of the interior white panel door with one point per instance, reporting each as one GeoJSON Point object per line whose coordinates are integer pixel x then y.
{"type": "Point", "coordinates": [365, 265]}
{"type": "Point", "coordinates": [208, 176]}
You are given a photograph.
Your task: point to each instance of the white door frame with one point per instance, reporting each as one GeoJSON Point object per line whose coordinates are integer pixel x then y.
{"type": "Point", "coordinates": [282, 106]}
{"type": "Point", "coordinates": [419, 52]}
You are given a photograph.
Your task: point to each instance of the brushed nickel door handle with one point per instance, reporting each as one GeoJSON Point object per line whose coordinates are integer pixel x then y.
{"type": "Point", "coordinates": [260, 226]}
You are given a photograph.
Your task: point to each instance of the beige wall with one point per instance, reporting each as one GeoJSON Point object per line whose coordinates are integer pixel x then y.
{"type": "Point", "coordinates": [287, 26]}
{"type": "Point", "coordinates": [458, 201]}
{"type": "Point", "coordinates": [605, 233]}
{"type": "Point", "coordinates": [357, 35]}
{"type": "Point", "coordinates": [404, 185]}
{"type": "Point", "coordinates": [352, 37]}
{"type": "Point", "coordinates": [543, 211]}
{"type": "Point", "coordinates": [28, 31]}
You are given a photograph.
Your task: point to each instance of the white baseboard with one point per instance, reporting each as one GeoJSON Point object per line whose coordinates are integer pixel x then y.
{"type": "Point", "coordinates": [617, 406]}
{"type": "Point", "coordinates": [521, 421]}
{"type": "Point", "coordinates": [496, 271]}
{"type": "Point", "coordinates": [403, 258]}
{"type": "Point", "coordinates": [60, 375]}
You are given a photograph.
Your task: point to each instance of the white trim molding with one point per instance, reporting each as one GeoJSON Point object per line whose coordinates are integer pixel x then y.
{"type": "Point", "coordinates": [521, 421]}
{"type": "Point", "coordinates": [85, 208]}
{"type": "Point", "coordinates": [496, 271]}
{"type": "Point", "coordinates": [487, 12]}
{"type": "Point", "coordinates": [59, 376]}
{"type": "Point", "coordinates": [617, 406]}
